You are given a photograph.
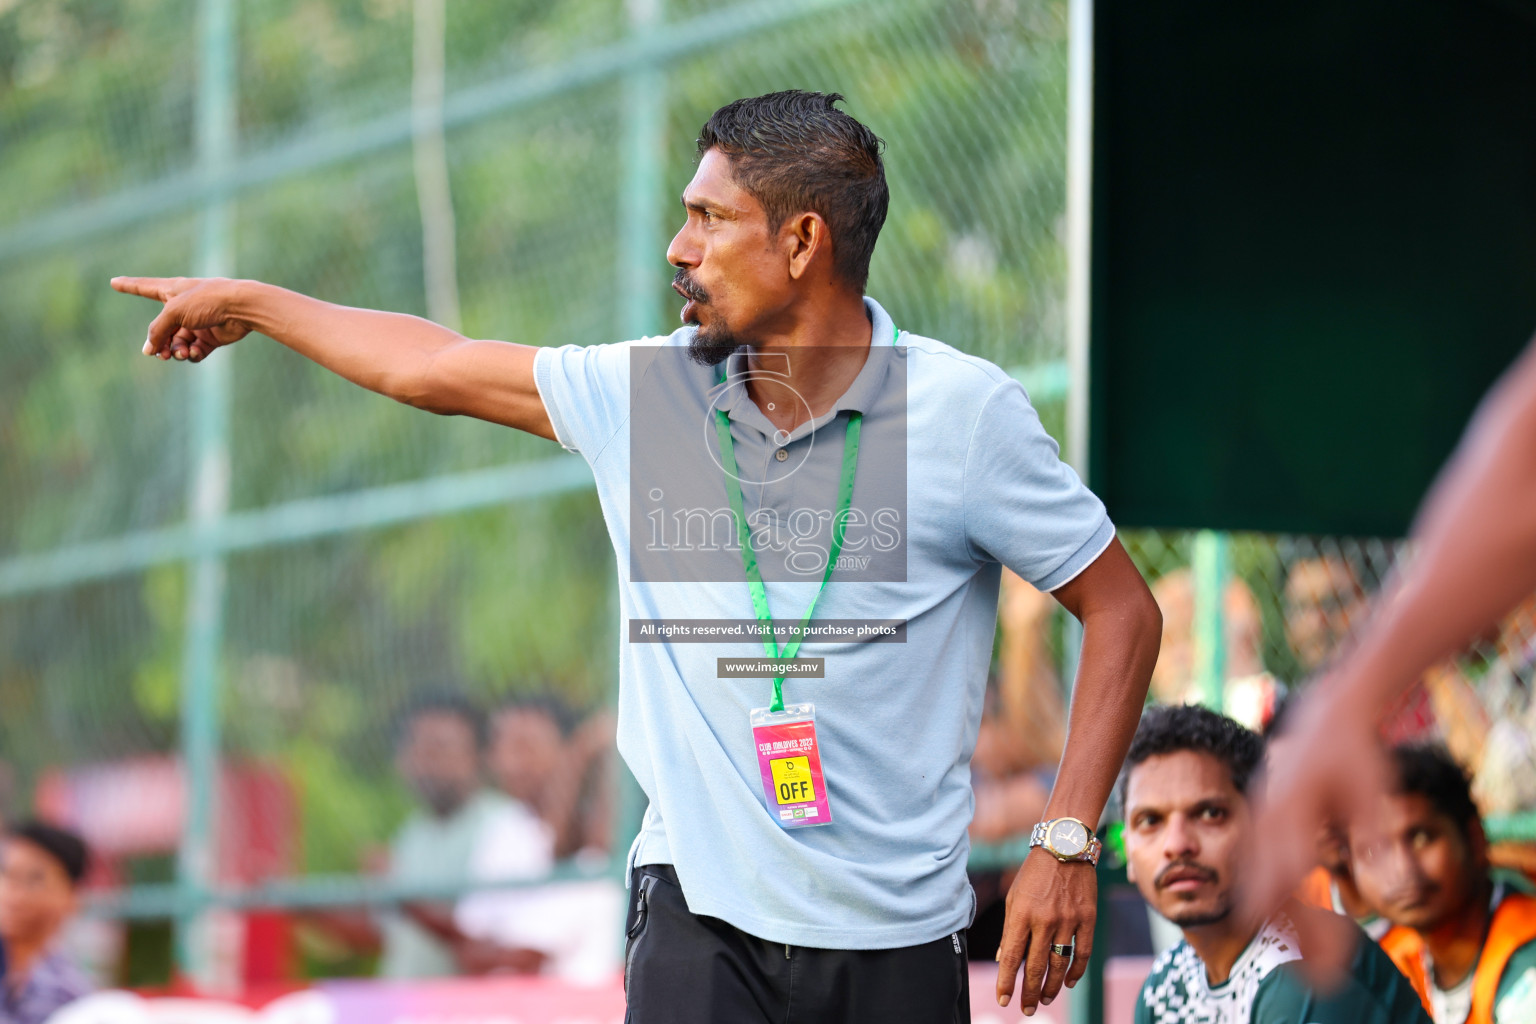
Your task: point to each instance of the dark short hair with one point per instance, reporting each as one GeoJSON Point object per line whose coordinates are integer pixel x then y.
{"type": "Point", "coordinates": [1428, 770]}
{"type": "Point", "coordinates": [441, 702]}
{"type": "Point", "coordinates": [1169, 730]}
{"type": "Point", "coordinates": [794, 151]}
{"type": "Point", "coordinates": [542, 702]}
{"type": "Point", "coordinates": [64, 846]}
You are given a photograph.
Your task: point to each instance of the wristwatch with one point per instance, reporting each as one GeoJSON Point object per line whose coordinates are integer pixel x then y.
{"type": "Point", "coordinates": [1067, 839]}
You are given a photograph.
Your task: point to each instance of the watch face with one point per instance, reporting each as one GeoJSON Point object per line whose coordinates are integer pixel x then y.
{"type": "Point", "coordinates": [1068, 838]}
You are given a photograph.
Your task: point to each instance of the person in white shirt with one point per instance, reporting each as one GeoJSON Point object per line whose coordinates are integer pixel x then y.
{"type": "Point", "coordinates": [577, 925]}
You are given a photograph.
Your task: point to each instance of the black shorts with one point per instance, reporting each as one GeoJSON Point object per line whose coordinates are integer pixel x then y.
{"type": "Point", "coordinates": [682, 968]}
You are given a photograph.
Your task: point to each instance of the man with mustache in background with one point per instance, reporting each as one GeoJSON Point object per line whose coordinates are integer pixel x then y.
{"type": "Point", "coordinates": [1186, 793]}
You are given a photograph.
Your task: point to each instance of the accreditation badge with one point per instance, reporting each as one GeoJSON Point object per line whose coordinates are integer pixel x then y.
{"type": "Point", "coordinates": [790, 762]}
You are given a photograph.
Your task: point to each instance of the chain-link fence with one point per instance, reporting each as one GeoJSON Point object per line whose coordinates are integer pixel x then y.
{"type": "Point", "coordinates": [218, 592]}
{"type": "Point", "coordinates": [1250, 618]}
{"type": "Point", "coordinates": [219, 587]}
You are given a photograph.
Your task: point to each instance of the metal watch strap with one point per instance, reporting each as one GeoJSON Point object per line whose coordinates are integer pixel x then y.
{"type": "Point", "coordinates": [1090, 853]}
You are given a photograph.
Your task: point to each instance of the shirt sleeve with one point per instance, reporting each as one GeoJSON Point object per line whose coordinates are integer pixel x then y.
{"type": "Point", "coordinates": [1024, 507]}
{"type": "Point", "coordinates": [585, 390]}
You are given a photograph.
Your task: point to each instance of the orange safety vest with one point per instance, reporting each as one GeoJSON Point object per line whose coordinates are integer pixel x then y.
{"type": "Point", "coordinates": [1513, 926]}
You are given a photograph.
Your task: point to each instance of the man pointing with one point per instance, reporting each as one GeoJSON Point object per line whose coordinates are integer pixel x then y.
{"type": "Point", "coordinates": [792, 456]}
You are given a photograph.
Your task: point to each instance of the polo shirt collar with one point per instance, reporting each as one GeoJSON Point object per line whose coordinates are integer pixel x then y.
{"type": "Point", "coordinates": [861, 395]}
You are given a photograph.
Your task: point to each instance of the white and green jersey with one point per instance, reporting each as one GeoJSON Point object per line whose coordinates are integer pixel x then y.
{"type": "Point", "coordinates": [1263, 989]}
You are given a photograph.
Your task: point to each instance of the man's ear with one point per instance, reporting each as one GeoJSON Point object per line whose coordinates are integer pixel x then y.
{"type": "Point", "coordinates": [1130, 869]}
{"type": "Point", "coordinates": [806, 240]}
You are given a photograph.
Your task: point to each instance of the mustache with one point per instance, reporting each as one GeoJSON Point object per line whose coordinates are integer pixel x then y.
{"type": "Point", "coordinates": [689, 287]}
{"type": "Point", "coordinates": [1204, 873]}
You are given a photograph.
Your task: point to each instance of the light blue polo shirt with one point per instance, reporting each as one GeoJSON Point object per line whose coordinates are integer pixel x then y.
{"type": "Point", "coordinates": [983, 486]}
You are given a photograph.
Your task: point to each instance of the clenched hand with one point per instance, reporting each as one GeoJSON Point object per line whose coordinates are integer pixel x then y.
{"type": "Point", "coordinates": [196, 319]}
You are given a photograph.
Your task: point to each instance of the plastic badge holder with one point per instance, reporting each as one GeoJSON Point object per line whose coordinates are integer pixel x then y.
{"type": "Point", "coordinates": [790, 762]}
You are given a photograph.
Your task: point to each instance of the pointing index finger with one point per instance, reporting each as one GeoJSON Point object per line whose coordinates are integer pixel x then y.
{"type": "Point", "coordinates": [148, 287]}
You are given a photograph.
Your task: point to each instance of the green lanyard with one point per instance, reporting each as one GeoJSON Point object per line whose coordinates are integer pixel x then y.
{"type": "Point", "coordinates": [749, 556]}
{"type": "Point", "coordinates": [744, 535]}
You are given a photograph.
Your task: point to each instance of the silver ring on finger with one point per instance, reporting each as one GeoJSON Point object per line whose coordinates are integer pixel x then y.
{"type": "Point", "coordinates": [1057, 949]}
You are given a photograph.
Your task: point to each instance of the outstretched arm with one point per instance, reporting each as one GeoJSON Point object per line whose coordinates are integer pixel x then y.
{"type": "Point", "coordinates": [474, 956]}
{"type": "Point", "coordinates": [1051, 902]}
{"type": "Point", "coordinates": [1476, 547]}
{"type": "Point", "coordinates": [404, 357]}
{"type": "Point", "coordinates": [1475, 557]}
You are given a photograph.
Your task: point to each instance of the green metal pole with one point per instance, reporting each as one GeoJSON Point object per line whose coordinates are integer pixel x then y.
{"type": "Point", "coordinates": [1087, 1003]}
{"type": "Point", "coordinates": [208, 501]}
{"type": "Point", "coordinates": [642, 247]}
{"type": "Point", "coordinates": [333, 144]}
{"type": "Point", "coordinates": [641, 271]}
{"type": "Point", "coordinates": [1211, 569]}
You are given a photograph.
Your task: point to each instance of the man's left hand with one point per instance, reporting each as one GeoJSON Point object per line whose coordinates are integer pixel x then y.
{"type": "Point", "coordinates": [1049, 902]}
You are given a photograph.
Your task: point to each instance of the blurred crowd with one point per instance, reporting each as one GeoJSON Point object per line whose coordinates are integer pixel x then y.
{"type": "Point", "coordinates": [1479, 704]}
{"type": "Point", "coordinates": [509, 803]}
{"type": "Point", "coordinates": [1449, 915]}
{"type": "Point", "coordinates": [1444, 930]}
{"type": "Point", "coordinates": [503, 859]}
{"type": "Point", "coordinates": [1477, 708]}
{"type": "Point", "coordinates": [500, 799]}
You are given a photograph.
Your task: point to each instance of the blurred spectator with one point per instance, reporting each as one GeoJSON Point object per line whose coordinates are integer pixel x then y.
{"type": "Point", "coordinates": [1466, 940]}
{"type": "Point", "coordinates": [1021, 736]}
{"type": "Point", "coordinates": [567, 781]}
{"type": "Point", "coordinates": [1505, 779]}
{"type": "Point", "coordinates": [564, 776]}
{"type": "Point", "coordinates": [1484, 713]}
{"type": "Point", "coordinates": [440, 743]}
{"type": "Point", "coordinates": [1331, 885]}
{"type": "Point", "coordinates": [40, 872]}
{"type": "Point", "coordinates": [1249, 693]}
{"type": "Point", "coordinates": [1173, 678]}
{"type": "Point", "coordinates": [1324, 601]}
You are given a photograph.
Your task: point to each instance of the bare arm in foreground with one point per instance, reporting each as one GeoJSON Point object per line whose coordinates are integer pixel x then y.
{"type": "Point", "coordinates": [1475, 559]}
{"type": "Point", "coordinates": [1051, 902]}
{"type": "Point", "coordinates": [403, 357]}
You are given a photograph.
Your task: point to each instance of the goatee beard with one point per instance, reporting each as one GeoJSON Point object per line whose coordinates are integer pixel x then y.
{"type": "Point", "coordinates": [1200, 918]}
{"type": "Point", "coordinates": [711, 346]}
